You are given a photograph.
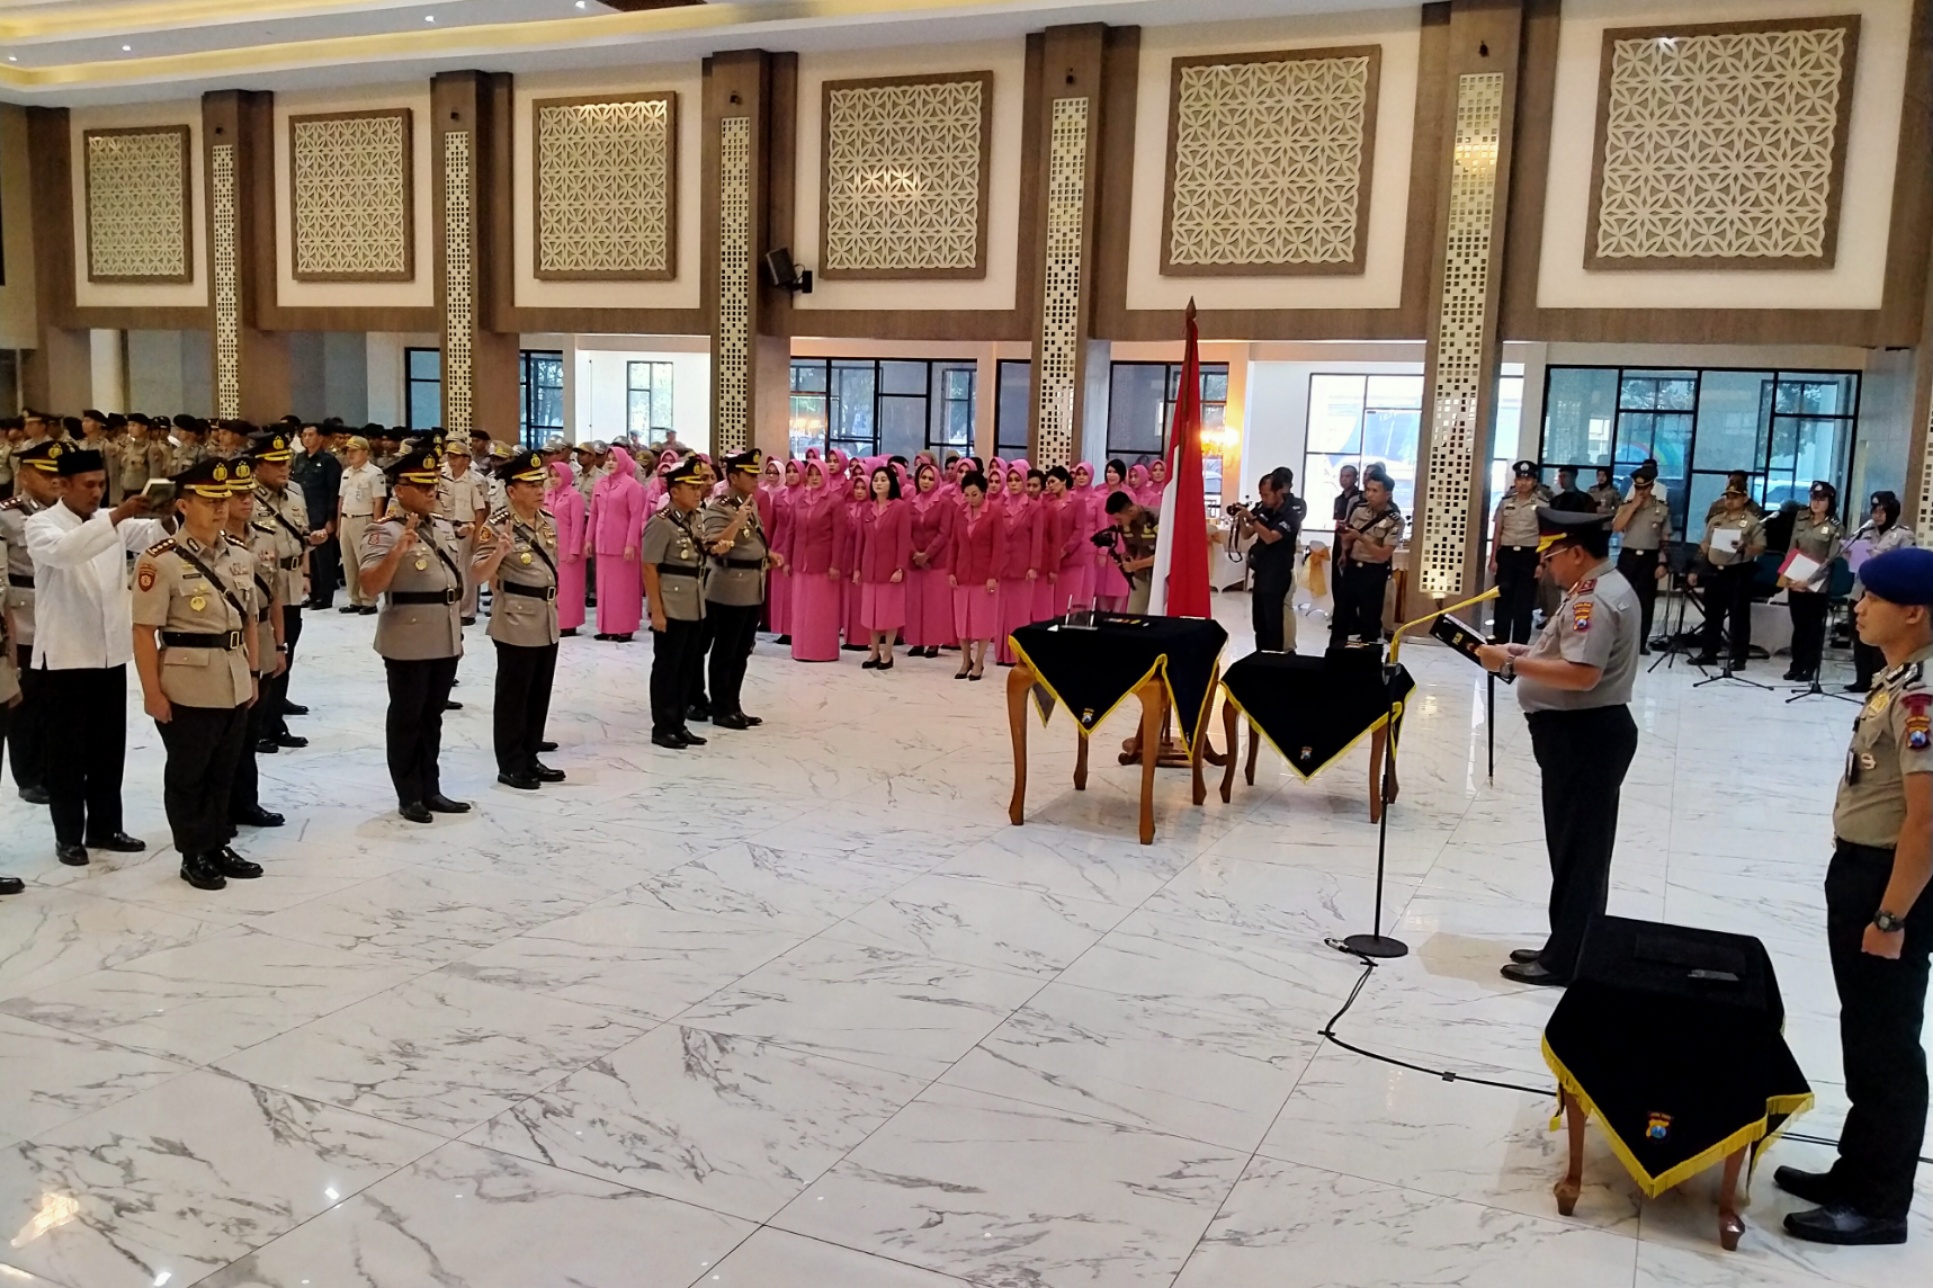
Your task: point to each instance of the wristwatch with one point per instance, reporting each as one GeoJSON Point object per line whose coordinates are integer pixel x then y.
{"type": "Point", "coordinates": [1508, 670]}
{"type": "Point", "coordinates": [1888, 924]}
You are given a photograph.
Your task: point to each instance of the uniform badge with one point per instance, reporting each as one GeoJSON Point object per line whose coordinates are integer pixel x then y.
{"type": "Point", "coordinates": [1586, 586]}
{"type": "Point", "coordinates": [1658, 1127]}
{"type": "Point", "coordinates": [525, 558]}
{"type": "Point", "coordinates": [422, 565]}
{"type": "Point", "coordinates": [198, 603]}
{"type": "Point", "coordinates": [1919, 733]}
{"type": "Point", "coordinates": [144, 576]}
{"type": "Point", "coordinates": [1868, 761]}
{"type": "Point", "coordinates": [1581, 616]}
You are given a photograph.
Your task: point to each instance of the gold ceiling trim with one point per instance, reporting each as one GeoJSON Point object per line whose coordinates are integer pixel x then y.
{"type": "Point", "coordinates": [457, 40]}
{"type": "Point", "coordinates": [54, 24]}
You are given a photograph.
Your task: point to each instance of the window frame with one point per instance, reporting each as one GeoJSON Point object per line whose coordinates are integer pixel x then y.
{"type": "Point", "coordinates": [650, 390]}
{"type": "Point", "coordinates": [829, 397]}
{"type": "Point", "coordinates": [411, 380]}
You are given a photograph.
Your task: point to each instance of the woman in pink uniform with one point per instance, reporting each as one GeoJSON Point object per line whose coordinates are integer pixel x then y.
{"type": "Point", "coordinates": [979, 546]}
{"type": "Point", "coordinates": [1138, 484]}
{"type": "Point", "coordinates": [1157, 483]}
{"type": "Point", "coordinates": [1110, 587]}
{"type": "Point", "coordinates": [1048, 498]}
{"type": "Point", "coordinates": [882, 558]}
{"type": "Point", "coordinates": [566, 506]}
{"type": "Point", "coordinates": [1020, 569]}
{"type": "Point", "coordinates": [813, 564]}
{"type": "Point", "coordinates": [1065, 547]}
{"type": "Point", "coordinates": [858, 496]}
{"type": "Point", "coordinates": [617, 523]}
{"type": "Point", "coordinates": [779, 598]}
{"type": "Point", "coordinates": [929, 599]}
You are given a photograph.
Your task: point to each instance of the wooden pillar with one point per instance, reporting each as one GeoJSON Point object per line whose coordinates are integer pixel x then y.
{"type": "Point", "coordinates": [57, 375]}
{"type": "Point", "coordinates": [251, 366]}
{"type": "Point", "coordinates": [470, 123]}
{"type": "Point", "coordinates": [1479, 99]}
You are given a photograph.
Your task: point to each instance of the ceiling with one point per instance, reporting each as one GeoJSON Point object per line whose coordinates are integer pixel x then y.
{"type": "Point", "coordinates": [72, 52]}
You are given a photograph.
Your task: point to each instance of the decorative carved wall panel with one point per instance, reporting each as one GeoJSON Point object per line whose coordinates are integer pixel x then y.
{"type": "Point", "coordinates": [732, 424]}
{"type": "Point", "coordinates": [903, 168]}
{"type": "Point", "coordinates": [1721, 146]}
{"type": "Point", "coordinates": [1269, 162]}
{"type": "Point", "coordinates": [606, 188]}
{"type": "Point", "coordinates": [351, 196]}
{"type": "Point", "coordinates": [224, 237]}
{"type": "Point", "coordinates": [1461, 322]}
{"type": "Point", "coordinates": [1058, 362]}
{"type": "Point", "coordinates": [459, 284]}
{"type": "Point", "coordinates": [138, 199]}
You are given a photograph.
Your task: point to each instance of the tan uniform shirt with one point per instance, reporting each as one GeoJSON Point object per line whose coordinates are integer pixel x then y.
{"type": "Point", "coordinates": [737, 578]}
{"type": "Point", "coordinates": [257, 555]}
{"type": "Point", "coordinates": [1751, 539]}
{"type": "Point", "coordinates": [460, 499]}
{"type": "Point", "coordinates": [671, 541]}
{"type": "Point", "coordinates": [1385, 529]}
{"type": "Point", "coordinates": [418, 629]}
{"type": "Point", "coordinates": [1650, 525]}
{"type": "Point", "coordinates": [524, 612]}
{"type": "Point", "coordinates": [1819, 540]}
{"type": "Point", "coordinates": [181, 456]}
{"type": "Point", "coordinates": [9, 672]}
{"type": "Point", "coordinates": [362, 491]}
{"type": "Point", "coordinates": [1606, 497]}
{"type": "Point", "coordinates": [1890, 739]}
{"type": "Point", "coordinates": [287, 512]}
{"type": "Point", "coordinates": [14, 512]}
{"type": "Point", "coordinates": [1596, 624]}
{"type": "Point", "coordinates": [1517, 521]}
{"type": "Point", "coordinates": [186, 604]}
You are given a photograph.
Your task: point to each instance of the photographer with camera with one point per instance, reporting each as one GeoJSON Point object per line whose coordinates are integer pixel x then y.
{"type": "Point", "coordinates": [1274, 525]}
{"type": "Point", "coordinates": [1368, 541]}
{"type": "Point", "coordinates": [1129, 541]}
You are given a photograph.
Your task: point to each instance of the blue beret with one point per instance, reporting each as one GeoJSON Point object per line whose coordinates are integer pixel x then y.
{"type": "Point", "coordinates": [1903, 577]}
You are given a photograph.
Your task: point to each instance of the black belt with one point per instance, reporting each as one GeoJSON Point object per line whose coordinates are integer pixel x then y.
{"type": "Point", "coordinates": [423, 596]}
{"type": "Point", "coordinates": [190, 639]}
{"type": "Point", "coordinates": [723, 562]}
{"type": "Point", "coordinates": [262, 616]}
{"type": "Point", "coordinates": [23, 582]}
{"type": "Point", "coordinates": [678, 570]}
{"type": "Point", "coordinates": [290, 564]}
{"type": "Point", "coordinates": [1634, 550]}
{"type": "Point", "coordinates": [1522, 549]}
{"type": "Point", "coordinates": [532, 592]}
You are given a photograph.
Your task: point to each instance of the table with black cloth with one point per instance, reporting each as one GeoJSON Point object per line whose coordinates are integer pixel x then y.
{"type": "Point", "coordinates": [1312, 710]}
{"type": "Point", "coordinates": [1166, 662]}
{"type": "Point", "coordinates": [1670, 1037]}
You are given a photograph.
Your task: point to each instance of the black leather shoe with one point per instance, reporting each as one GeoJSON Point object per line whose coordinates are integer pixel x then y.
{"type": "Point", "coordinates": [1843, 1224]}
{"type": "Point", "coordinates": [692, 739]}
{"type": "Point", "coordinates": [256, 816]}
{"type": "Point", "coordinates": [452, 706]}
{"type": "Point", "coordinates": [368, 610]}
{"type": "Point", "coordinates": [416, 812]}
{"type": "Point", "coordinates": [521, 782]}
{"type": "Point", "coordinates": [349, 608]}
{"type": "Point", "coordinates": [469, 621]}
{"type": "Point", "coordinates": [783, 639]}
{"type": "Point", "coordinates": [293, 708]}
{"type": "Point", "coordinates": [1533, 973]}
{"type": "Point", "coordinates": [438, 803]}
{"type": "Point", "coordinates": [669, 741]}
{"type": "Point", "coordinates": [1813, 1187]}
{"type": "Point", "coordinates": [754, 721]}
{"type": "Point", "coordinates": [294, 742]}
{"type": "Point", "coordinates": [544, 773]}
{"type": "Point", "coordinates": [11, 885]}
{"type": "Point", "coordinates": [546, 745]}
{"type": "Point", "coordinates": [1525, 956]}
{"type": "Point", "coordinates": [74, 856]}
{"type": "Point", "coordinates": [117, 843]}
{"type": "Point", "coordinates": [1857, 687]}
{"type": "Point", "coordinates": [234, 865]}
{"type": "Point", "coordinates": [266, 747]}
{"type": "Point", "coordinates": [199, 871]}
{"type": "Point", "coordinates": [35, 795]}
{"type": "Point", "coordinates": [699, 713]}
{"type": "Point", "coordinates": [731, 720]}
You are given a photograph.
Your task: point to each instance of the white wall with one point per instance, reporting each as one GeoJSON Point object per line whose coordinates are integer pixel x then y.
{"type": "Point", "coordinates": [601, 406]}
{"type": "Point", "coordinates": [1276, 429]}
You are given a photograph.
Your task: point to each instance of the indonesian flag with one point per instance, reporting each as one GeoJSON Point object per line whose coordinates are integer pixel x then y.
{"type": "Point", "coordinates": [1180, 585]}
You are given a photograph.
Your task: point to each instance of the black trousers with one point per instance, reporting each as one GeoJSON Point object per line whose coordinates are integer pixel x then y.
{"type": "Point", "coordinates": [1882, 1006]}
{"type": "Point", "coordinates": [1867, 661]}
{"type": "Point", "coordinates": [414, 727]}
{"type": "Point", "coordinates": [1640, 568]}
{"type": "Point", "coordinates": [246, 792]}
{"type": "Point", "coordinates": [1808, 630]}
{"type": "Point", "coordinates": [1728, 597]}
{"type": "Point", "coordinates": [695, 666]}
{"type": "Point", "coordinates": [733, 629]}
{"type": "Point", "coordinates": [1359, 603]}
{"type": "Point", "coordinates": [275, 692]}
{"type": "Point", "coordinates": [524, 679]}
{"type": "Point", "coordinates": [203, 745]}
{"type": "Point", "coordinates": [1582, 756]}
{"type": "Point", "coordinates": [26, 732]}
{"type": "Point", "coordinates": [85, 797]}
{"type": "Point", "coordinates": [324, 569]}
{"type": "Point", "coordinates": [1517, 594]}
{"type": "Point", "coordinates": [675, 652]}
{"type": "Point", "coordinates": [1267, 607]}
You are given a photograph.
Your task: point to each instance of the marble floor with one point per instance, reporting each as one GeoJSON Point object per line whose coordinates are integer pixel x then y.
{"type": "Point", "coordinates": [801, 1008]}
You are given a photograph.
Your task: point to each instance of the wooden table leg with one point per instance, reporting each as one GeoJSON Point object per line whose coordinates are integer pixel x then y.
{"type": "Point", "coordinates": [1730, 1225]}
{"type": "Point", "coordinates": [1200, 753]}
{"type": "Point", "coordinates": [1080, 760]}
{"type": "Point", "coordinates": [1019, 681]}
{"type": "Point", "coordinates": [1232, 735]}
{"type": "Point", "coordinates": [1572, 1185]}
{"type": "Point", "coordinates": [1152, 696]}
{"type": "Point", "coordinates": [1254, 750]}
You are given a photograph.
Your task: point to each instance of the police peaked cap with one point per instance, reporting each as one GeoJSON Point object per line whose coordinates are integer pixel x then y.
{"type": "Point", "coordinates": [1903, 577]}
{"type": "Point", "coordinates": [272, 446]}
{"type": "Point", "coordinates": [689, 470]}
{"type": "Point", "coordinates": [46, 457]}
{"type": "Point", "coordinates": [1524, 470]}
{"type": "Point", "coordinates": [423, 467]}
{"type": "Point", "coordinates": [1557, 523]}
{"type": "Point", "coordinates": [213, 479]}
{"type": "Point", "coordinates": [745, 462]}
{"type": "Point", "coordinates": [524, 467]}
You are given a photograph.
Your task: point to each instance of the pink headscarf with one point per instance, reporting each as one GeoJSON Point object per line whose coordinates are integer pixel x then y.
{"type": "Point", "coordinates": [624, 472]}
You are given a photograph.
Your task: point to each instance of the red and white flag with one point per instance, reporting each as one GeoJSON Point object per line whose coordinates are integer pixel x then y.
{"type": "Point", "coordinates": [1180, 572]}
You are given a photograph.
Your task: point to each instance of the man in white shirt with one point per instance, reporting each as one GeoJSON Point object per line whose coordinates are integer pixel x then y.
{"type": "Point", "coordinates": [464, 499]}
{"type": "Point", "coordinates": [359, 503]}
{"type": "Point", "coordinates": [83, 642]}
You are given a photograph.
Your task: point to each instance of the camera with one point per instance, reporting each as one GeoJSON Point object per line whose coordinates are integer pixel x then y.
{"type": "Point", "coordinates": [1234, 508]}
{"type": "Point", "coordinates": [1106, 538]}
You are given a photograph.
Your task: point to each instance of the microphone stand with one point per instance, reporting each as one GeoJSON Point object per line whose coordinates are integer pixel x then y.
{"type": "Point", "coordinates": [1725, 671]}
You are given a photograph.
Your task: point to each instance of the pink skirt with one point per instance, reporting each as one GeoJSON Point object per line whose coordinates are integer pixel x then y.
{"type": "Point", "coordinates": [620, 595]}
{"type": "Point", "coordinates": [1076, 581]}
{"type": "Point", "coordinates": [1107, 576]}
{"type": "Point", "coordinates": [882, 606]}
{"type": "Point", "coordinates": [1016, 610]}
{"type": "Point", "coordinates": [929, 610]}
{"type": "Point", "coordinates": [815, 617]}
{"type": "Point", "coordinates": [570, 594]}
{"type": "Point", "coordinates": [976, 613]}
{"type": "Point", "coordinates": [779, 603]}
{"type": "Point", "coordinates": [849, 612]}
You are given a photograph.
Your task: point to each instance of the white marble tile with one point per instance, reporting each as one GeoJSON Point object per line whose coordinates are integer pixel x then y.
{"type": "Point", "coordinates": [979, 924]}
{"type": "Point", "coordinates": [797, 890]}
{"type": "Point", "coordinates": [441, 1052]}
{"type": "Point", "coordinates": [1070, 864]}
{"type": "Point", "coordinates": [1290, 1226]}
{"type": "Point", "coordinates": [729, 1123]}
{"type": "Point", "coordinates": [1149, 1064]}
{"type": "Point", "coordinates": [773, 1257]}
{"type": "Point", "coordinates": [465, 1217]}
{"type": "Point", "coordinates": [47, 936]}
{"type": "Point", "coordinates": [182, 1179]}
{"type": "Point", "coordinates": [49, 1077]}
{"type": "Point", "coordinates": [282, 885]}
{"type": "Point", "coordinates": [1303, 904]}
{"type": "Point", "coordinates": [215, 996]}
{"type": "Point", "coordinates": [872, 1006]}
{"type": "Point", "coordinates": [1000, 1192]}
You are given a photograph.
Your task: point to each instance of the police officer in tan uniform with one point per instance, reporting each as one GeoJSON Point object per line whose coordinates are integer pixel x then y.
{"type": "Point", "coordinates": [36, 486]}
{"type": "Point", "coordinates": [735, 586]}
{"type": "Point", "coordinates": [1819, 536]}
{"type": "Point", "coordinates": [1368, 541]}
{"type": "Point", "coordinates": [252, 548]}
{"type": "Point", "coordinates": [1604, 493]}
{"type": "Point", "coordinates": [194, 652]}
{"type": "Point", "coordinates": [1731, 560]}
{"type": "Point", "coordinates": [284, 509]}
{"type": "Point", "coordinates": [464, 499]}
{"type": "Point", "coordinates": [1644, 523]}
{"type": "Point", "coordinates": [1513, 557]}
{"type": "Point", "coordinates": [672, 553]}
{"type": "Point", "coordinates": [516, 552]}
{"type": "Point", "coordinates": [409, 559]}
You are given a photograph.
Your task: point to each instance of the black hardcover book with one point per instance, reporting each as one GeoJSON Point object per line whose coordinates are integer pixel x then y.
{"type": "Point", "coordinates": [1464, 639]}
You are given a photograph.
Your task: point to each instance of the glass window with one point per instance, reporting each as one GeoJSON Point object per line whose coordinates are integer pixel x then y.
{"type": "Point", "coordinates": [1732, 408]}
{"type": "Point", "coordinates": [540, 384]}
{"type": "Point", "coordinates": [895, 407]}
{"type": "Point", "coordinates": [1363, 420]}
{"type": "Point", "coordinates": [853, 420]}
{"type": "Point", "coordinates": [1013, 408]}
{"type": "Point", "coordinates": [903, 378]}
{"type": "Point", "coordinates": [648, 400]}
{"type": "Point", "coordinates": [1580, 414]}
{"type": "Point", "coordinates": [423, 388]}
{"type": "Point", "coordinates": [1503, 445]}
{"type": "Point", "coordinates": [952, 429]}
{"type": "Point", "coordinates": [1136, 405]}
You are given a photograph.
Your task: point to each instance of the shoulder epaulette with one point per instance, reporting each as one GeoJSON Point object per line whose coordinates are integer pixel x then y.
{"type": "Point", "coordinates": [261, 525]}
{"type": "Point", "coordinates": [13, 503]}
{"type": "Point", "coordinates": [234, 541]}
{"type": "Point", "coordinates": [500, 516]}
{"type": "Point", "coordinates": [161, 547]}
